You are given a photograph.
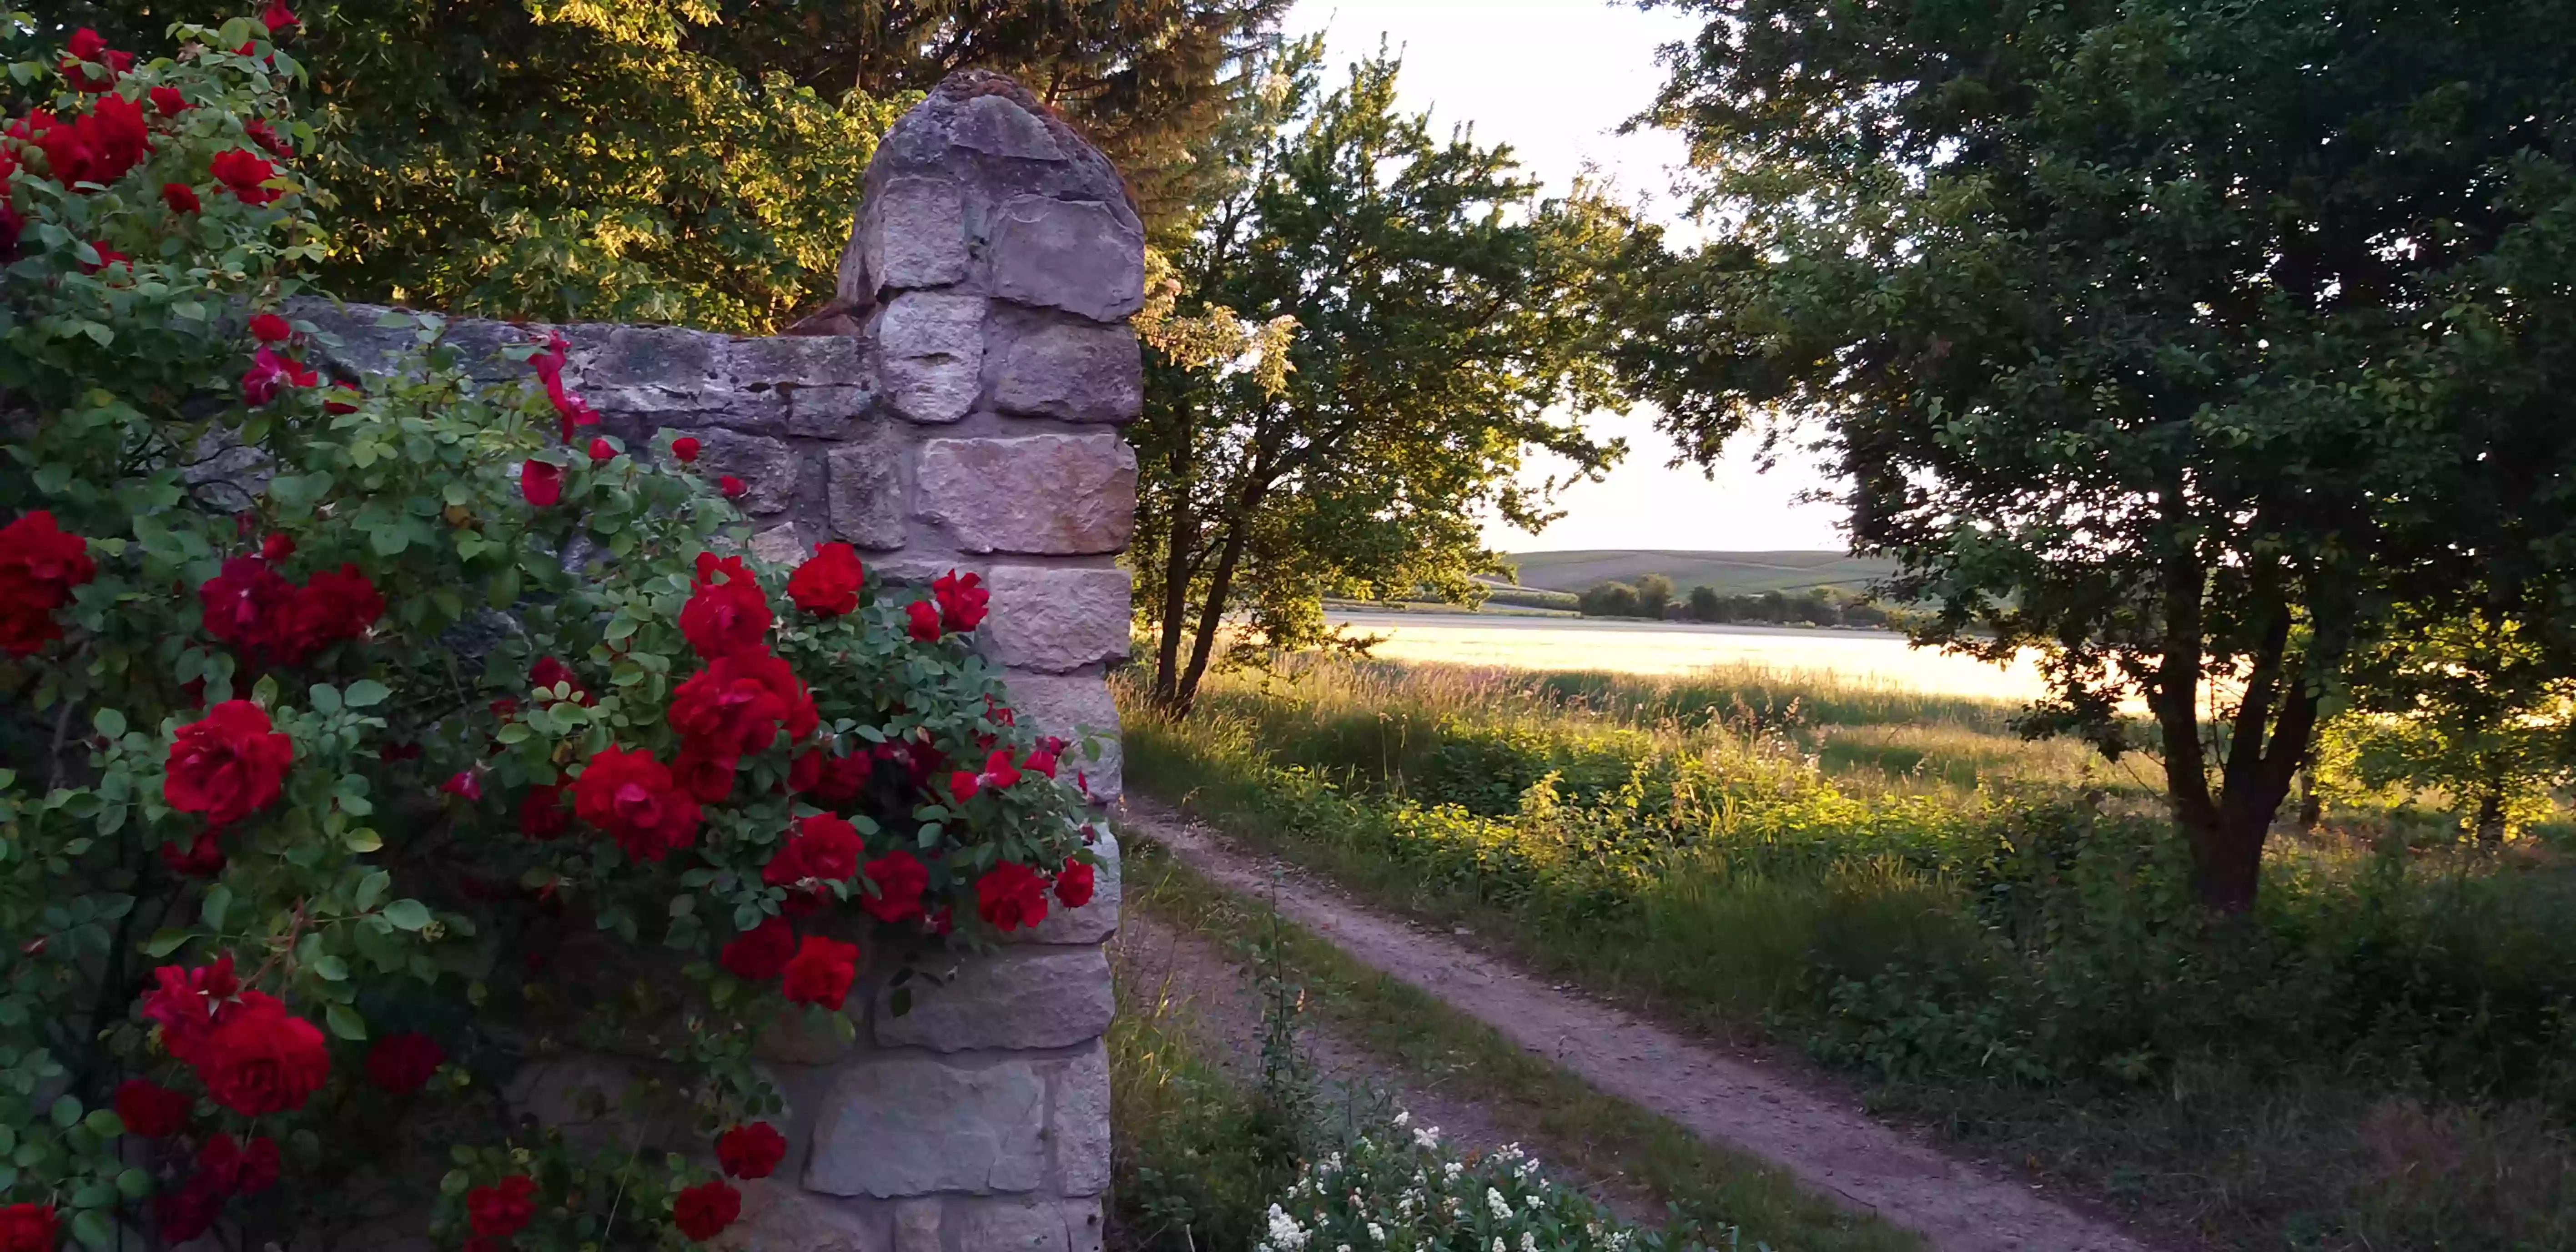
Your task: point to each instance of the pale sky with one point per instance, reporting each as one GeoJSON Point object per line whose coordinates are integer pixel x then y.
{"type": "Point", "coordinates": [1554, 78]}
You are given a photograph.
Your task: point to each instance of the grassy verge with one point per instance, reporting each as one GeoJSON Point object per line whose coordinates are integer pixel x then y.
{"type": "Point", "coordinates": [2382, 1057]}
{"type": "Point", "coordinates": [1567, 1121]}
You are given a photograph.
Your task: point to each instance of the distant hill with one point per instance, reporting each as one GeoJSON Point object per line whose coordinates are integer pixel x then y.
{"type": "Point", "coordinates": [1729, 573]}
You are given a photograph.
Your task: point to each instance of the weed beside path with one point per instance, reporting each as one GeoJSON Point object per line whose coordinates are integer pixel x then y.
{"type": "Point", "coordinates": [1835, 1150]}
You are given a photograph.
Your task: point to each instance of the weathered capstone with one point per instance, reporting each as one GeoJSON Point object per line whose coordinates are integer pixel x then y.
{"type": "Point", "coordinates": [1021, 999]}
{"type": "Point", "coordinates": [1049, 494]}
{"type": "Point", "coordinates": [1079, 373]}
{"type": "Point", "coordinates": [913, 232]}
{"type": "Point", "coordinates": [905, 1125]}
{"type": "Point", "coordinates": [1030, 1226]}
{"type": "Point", "coordinates": [1054, 619]}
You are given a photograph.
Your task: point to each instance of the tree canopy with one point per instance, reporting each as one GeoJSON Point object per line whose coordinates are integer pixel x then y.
{"type": "Point", "coordinates": [684, 160]}
{"type": "Point", "coordinates": [1442, 309]}
{"type": "Point", "coordinates": [2202, 345]}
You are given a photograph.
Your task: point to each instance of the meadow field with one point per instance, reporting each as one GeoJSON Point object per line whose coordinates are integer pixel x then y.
{"type": "Point", "coordinates": [1991, 937]}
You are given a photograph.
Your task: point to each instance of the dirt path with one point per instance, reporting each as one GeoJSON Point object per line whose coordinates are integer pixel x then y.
{"type": "Point", "coordinates": [1833, 1147]}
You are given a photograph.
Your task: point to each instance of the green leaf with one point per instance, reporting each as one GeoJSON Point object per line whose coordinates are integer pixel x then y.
{"type": "Point", "coordinates": [134, 1184]}
{"type": "Point", "coordinates": [407, 914]}
{"type": "Point", "coordinates": [109, 723]}
{"type": "Point", "coordinates": [325, 698]}
{"type": "Point", "coordinates": [162, 943]}
{"type": "Point", "coordinates": [66, 1110]}
{"type": "Point", "coordinates": [92, 1228]}
{"type": "Point", "coordinates": [219, 900]}
{"type": "Point", "coordinates": [104, 1123]}
{"type": "Point", "coordinates": [362, 839]}
{"type": "Point", "coordinates": [329, 968]}
{"type": "Point", "coordinates": [344, 1021]}
{"type": "Point", "coordinates": [372, 888]}
{"type": "Point", "coordinates": [366, 693]}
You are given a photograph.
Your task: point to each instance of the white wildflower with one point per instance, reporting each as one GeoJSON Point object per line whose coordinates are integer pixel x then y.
{"type": "Point", "coordinates": [1284, 1231]}
{"type": "Point", "coordinates": [1494, 1202]}
{"type": "Point", "coordinates": [1498, 1244]}
{"type": "Point", "coordinates": [1377, 1233]}
{"type": "Point", "coordinates": [1403, 1118]}
{"type": "Point", "coordinates": [1529, 1242]}
{"type": "Point", "coordinates": [1451, 1170]}
{"type": "Point", "coordinates": [1427, 1138]}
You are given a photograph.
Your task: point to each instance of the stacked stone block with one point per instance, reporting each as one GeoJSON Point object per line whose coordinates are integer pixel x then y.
{"type": "Point", "coordinates": [970, 422]}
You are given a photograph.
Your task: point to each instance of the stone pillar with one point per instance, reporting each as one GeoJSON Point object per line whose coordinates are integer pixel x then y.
{"type": "Point", "coordinates": [969, 423]}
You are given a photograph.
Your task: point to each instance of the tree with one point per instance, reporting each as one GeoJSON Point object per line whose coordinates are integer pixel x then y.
{"type": "Point", "coordinates": [687, 162]}
{"type": "Point", "coordinates": [1441, 310]}
{"type": "Point", "coordinates": [2471, 705]}
{"type": "Point", "coordinates": [1654, 594]}
{"type": "Point", "coordinates": [2201, 345]}
{"type": "Point", "coordinates": [1704, 604]}
{"type": "Point", "coordinates": [1611, 600]}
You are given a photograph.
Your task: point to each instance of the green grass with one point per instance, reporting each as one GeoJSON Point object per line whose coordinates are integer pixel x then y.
{"type": "Point", "coordinates": [1565, 1121]}
{"type": "Point", "coordinates": [1993, 936]}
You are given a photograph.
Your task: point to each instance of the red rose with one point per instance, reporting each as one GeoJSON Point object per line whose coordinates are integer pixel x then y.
{"type": "Point", "coordinates": [752, 1151]}
{"type": "Point", "coordinates": [685, 448]}
{"type": "Point", "coordinates": [998, 771]}
{"type": "Point", "coordinates": [277, 17]}
{"type": "Point", "coordinates": [404, 1063]}
{"type": "Point", "coordinates": [841, 778]}
{"type": "Point", "coordinates": [262, 1059]}
{"type": "Point", "coordinates": [87, 46]}
{"type": "Point", "coordinates": [39, 566]}
{"type": "Point", "coordinates": [923, 623]}
{"type": "Point", "coordinates": [27, 1228]}
{"type": "Point", "coordinates": [464, 784]}
{"type": "Point", "coordinates": [961, 601]}
{"type": "Point", "coordinates": [168, 100]}
{"type": "Point", "coordinates": [181, 198]}
{"type": "Point", "coordinates": [542, 814]}
{"type": "Point", "coordinates": [760, 953]}
{"type": "Point", "coordinates": [150, 1110]}
{"type": "Point", "coordinates": [227, 764]}
{"type": "Point", "coordinates": [541, 482]}
{"type": "Point", "coordinates": [203, 858]}
{"type": "Point", "coordinates": [228, 1168]}
{"type": "Point", "coordinates": [500, 1210]}
{"type": "Point", "coordinates": [726, 615]}
{"type": "Point", "coordinates": [703, 773]}
{"type": "Point", "coordinates": [703, 1211]}
{"type": "Point", "coordinates": [184, 1214]}
{"type": "Point", "coordinates": [600, 451]}
{"type": "Point", "coordinates": [805, 771]}
{"type": "Point", "coordinates": [827, 585]}
{"type": "Point", "coordinates": [270, 328]}
{"type": "Point", "coordinates": [823, 846]}
{"type": "Point", "coordinates": [268, 372]}
{"type": "Point", "coordinates": [337, 403]}
{"type": "Point", "coordinates": [331, 606]}
{"type": "Point", "coordinates": [1011, 895]}
{"type": "Point", "coordinates": [738, 703]}
{"type": "Point", "coordinates": [1074, 884]}
{"type": "Point", "coordinates": [821, 971]}
{"type": "Point", "coordinates": [277, 547]}
{"type": "Point", "coordinates": [733, 488]}
{"type": "Point", "coordinates": [187, 1004]}
{"type": "Point", "coordinates": [1041, 761]}
{"type": "Point", "coordinates": [632, 797]}
{"type": "Point", "coordinates": [241, 171]}
{"type": "Point", "coordinates": [899, 880]}
{"type": "Point", "coordinates": [246, 605]}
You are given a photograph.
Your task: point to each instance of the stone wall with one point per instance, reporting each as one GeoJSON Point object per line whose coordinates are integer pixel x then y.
{"type": "Point", "coordinates": [960, 411]}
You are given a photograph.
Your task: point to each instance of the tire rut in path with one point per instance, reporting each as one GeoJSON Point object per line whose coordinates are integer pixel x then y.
{"type": "Point", "coordinates": [1832, 1147]}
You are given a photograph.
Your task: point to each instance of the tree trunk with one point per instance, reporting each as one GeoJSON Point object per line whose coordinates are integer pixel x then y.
{"type": "Point", "coordinates": [2312, 803]}
{"type": "Point", "coordinates": [2490, 819]}
{"type": "Point", "coordinates": [1212, 613]}
{"type": "Point", "coordinates": [1178, 548]}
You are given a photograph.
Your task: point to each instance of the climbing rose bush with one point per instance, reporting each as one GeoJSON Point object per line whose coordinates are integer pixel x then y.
{"type": "Point", "coordinates": [369, 738]}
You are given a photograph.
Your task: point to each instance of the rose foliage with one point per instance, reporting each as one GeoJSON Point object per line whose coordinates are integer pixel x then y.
{"type": "Point", "coordinates": [368, 738]}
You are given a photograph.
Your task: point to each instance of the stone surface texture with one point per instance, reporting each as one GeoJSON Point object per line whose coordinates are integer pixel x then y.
{"type": "Point", "coordinates": [966, 421]}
